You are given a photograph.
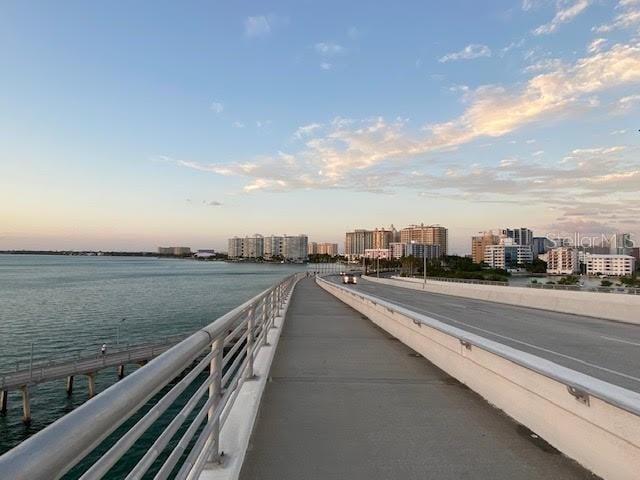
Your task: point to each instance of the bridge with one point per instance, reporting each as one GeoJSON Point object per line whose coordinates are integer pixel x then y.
{"type": "Point", "coordinates": [368, 381]}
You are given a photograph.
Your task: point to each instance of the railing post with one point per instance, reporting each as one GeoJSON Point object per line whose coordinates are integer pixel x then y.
{"type": "Point", "coordinates": [250, 341]}
{"type": "Point", "coordinates": [265, 322]}
{"type": "Point", "coordinates": [215, 391]}
{"type": "Point", "coordinates": [273, 307]}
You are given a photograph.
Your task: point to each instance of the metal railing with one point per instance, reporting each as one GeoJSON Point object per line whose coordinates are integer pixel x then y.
{"type": "Point", "coordinates": [55, 450]}
{"type": "Point", "coordinates": [457, 280]}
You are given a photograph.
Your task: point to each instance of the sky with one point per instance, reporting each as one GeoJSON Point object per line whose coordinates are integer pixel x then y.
{"type": "Point", "coordinates": [129, 125]}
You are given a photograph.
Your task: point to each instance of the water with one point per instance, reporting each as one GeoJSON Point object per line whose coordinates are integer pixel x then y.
{"type": "Point", "coordinates": [68, 305]}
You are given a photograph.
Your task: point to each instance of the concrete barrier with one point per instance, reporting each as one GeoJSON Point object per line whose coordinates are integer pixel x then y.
{"type": "Point", "coordinates": [591, 421]}
{"type": "Point", "coordinates": [619, 307]}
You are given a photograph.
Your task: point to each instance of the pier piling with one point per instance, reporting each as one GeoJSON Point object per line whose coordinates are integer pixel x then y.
{"type": "Point", "coordinates": [4, 401]}
{"type": "Point", "coordinates": [26, 405]}
{"type": "Point", "coordinates": [120, 372]}
{"type": "Point", "coordinates": [91, 380]}
{"type": "Point", "coordinates": [69, 388]}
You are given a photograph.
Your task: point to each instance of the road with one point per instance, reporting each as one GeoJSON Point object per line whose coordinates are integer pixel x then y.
{"type": "Point", "coordinates": [601, 348]}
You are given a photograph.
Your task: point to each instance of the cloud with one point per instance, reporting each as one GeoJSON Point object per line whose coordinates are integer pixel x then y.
{"type": "Point", "coordinates": [564, 14]}
{"type": "Point", "coordinates": [306, 130]}
{"type": "Point", "coordinates": [596, 45]}
{"type": "Point", "coordinates": [238, 124]}
{"type": "Point", "coordinates": [469, 52]}
{"type": "Point", "coordinates": [212, 203]}
{"type": "Point", "coordinates": [262, 25]}
{"type": "Point", "coordinates": [329, 49]}
{"type": "Point", "coordinates": [629, 17]}
{"type": "Point", "coordinates": [626, 104]}
{"type": "Point", "coordinates": [217, 107]}
{"type": "Point", "coordinates": [326, 66]}
{"type": "Point", "coordinates": [378, 155]}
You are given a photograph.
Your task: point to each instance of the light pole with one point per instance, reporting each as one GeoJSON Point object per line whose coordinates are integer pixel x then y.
{"type": "Point", "coordinates": [424, 268]}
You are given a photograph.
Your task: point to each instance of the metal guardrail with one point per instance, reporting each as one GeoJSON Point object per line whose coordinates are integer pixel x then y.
{"type": "Point", "coordinates": [52, 452]}
{"type": "Point", "coordinates": [460, 280]}
{"type": "Point", "coordinates": [575, 381]}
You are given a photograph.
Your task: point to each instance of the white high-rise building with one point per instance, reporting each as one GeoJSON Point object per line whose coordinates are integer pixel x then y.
{"type": "Point", "coordinates": [295, 248]}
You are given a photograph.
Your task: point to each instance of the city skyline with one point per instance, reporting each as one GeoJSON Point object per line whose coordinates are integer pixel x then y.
{"type": "Point", "coordinates": [124, 131]}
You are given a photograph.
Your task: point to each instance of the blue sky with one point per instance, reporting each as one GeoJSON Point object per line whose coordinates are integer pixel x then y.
{"type": "Point", "coordinates": [128, 126]}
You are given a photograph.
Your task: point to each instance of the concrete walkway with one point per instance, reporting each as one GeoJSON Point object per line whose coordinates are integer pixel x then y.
{"type": "Point", "coordinates": [346, 401]}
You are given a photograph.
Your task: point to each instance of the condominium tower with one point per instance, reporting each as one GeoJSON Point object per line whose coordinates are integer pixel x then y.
{"type": "Point", "coordinates": [427, 235]}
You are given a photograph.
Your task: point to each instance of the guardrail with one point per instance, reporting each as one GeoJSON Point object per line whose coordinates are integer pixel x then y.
{"type": "Point", "coordinates": [55, 450]}
{"type": "Point", "coordinates": [457, 280]}
{"type": "Point", "coordinates": [592, 421]}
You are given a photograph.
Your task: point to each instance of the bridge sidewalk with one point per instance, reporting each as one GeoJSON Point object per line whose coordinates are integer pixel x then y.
{"type": "Point", "coordinates": [347, 401]}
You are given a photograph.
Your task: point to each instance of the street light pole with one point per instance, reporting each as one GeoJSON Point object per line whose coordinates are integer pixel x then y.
{"type": "Point", "coordinates": [424, 268]}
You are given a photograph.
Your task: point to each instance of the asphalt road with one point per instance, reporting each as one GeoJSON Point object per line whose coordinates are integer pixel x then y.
{"type": "Point", "coordinates": [601, 348]}
{"type": "Point", "coordinates": [347, 401]}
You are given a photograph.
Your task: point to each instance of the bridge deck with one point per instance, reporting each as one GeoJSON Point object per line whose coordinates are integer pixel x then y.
{"type": "Point", "coordinates": [348, 401]}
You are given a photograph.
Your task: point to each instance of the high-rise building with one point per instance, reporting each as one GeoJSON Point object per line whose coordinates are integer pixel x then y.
{"type": "Point", "coordinates": [295, 248]}
{"type": "Point", "coordinates": [273, 247]}
{"type": "Point", "coordinates": [290, 248]}
{"type": "Point", "coordinates": [330, 249]}
{"type": "Point", "coordinates": [357, 242]}
{"type": "Point", "coordinates": [422, 250]}
{"type": "Point", "coordinates": [426, 235]}
{"type": "Point", "coordinates": [234, 249]}
{"type": "Point", "coordinates": [541, 245]}
{"type": "Point", "coordinates": [253, 247]}
{"type": "Point", "coordinates": [621, 244]}
{"type": "Point", "coordinates": [563, 261]}
{"type": "Point", "coordinates": [520, 236]}
{"type": "Point", "coordinates": [313, 248]}
{"type": "Point", "coordinates": [382, 237]}
{"type": "Point", "coordinates": [397, 250]}
{"type": "Point", "coordinates": [480, 242]}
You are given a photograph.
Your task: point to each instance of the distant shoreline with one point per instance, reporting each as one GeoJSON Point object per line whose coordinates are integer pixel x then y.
{"type": "Point", "coordinates": [81, 253]}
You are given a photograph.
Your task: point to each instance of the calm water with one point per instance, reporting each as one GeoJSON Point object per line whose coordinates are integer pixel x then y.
{"type": "Point", "coordinates": [66, 305]}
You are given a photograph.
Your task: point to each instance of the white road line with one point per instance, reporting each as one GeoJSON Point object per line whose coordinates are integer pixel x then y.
{"type": "Point", "coordinates": [614, 339]}
{"type": "Point", "coordinates": [530, 345]}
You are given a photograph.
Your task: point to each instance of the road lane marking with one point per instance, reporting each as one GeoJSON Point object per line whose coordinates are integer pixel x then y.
{"type": "Point", "coordinates": [614, 339]}
{"type": "Point", "coordinates": [530, 345]}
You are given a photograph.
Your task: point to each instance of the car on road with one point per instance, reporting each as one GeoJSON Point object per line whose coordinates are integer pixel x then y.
{"type": "Point", "coordinates": [349, 278]}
